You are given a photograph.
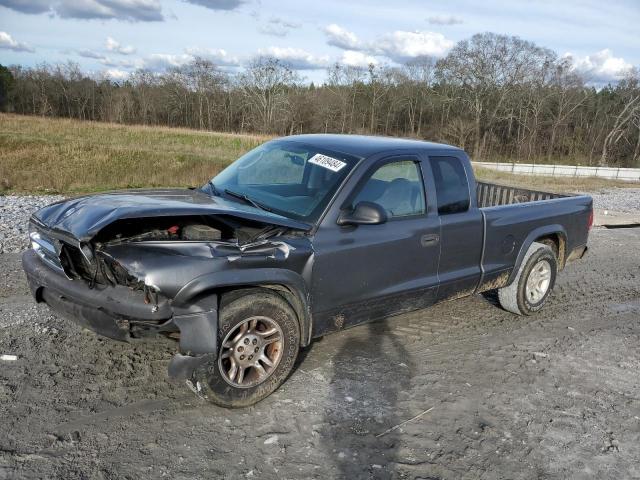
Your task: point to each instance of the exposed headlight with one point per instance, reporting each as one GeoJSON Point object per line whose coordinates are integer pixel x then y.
{"type": "Point", "coordinates": [44, 247]}
{"type": "Point", "coordinates": [40, 242]}
{"type": "Point", "coordinates": [35, 239]}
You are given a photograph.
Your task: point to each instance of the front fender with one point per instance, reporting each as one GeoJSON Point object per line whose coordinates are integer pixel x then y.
{"type": "Point", "coordinates": [266, 277]}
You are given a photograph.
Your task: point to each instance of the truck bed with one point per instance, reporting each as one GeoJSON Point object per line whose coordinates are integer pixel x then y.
{"type": "Point", "coordinates": [493, 194]}
{"type": "Point", "coordinates": [514, 217]}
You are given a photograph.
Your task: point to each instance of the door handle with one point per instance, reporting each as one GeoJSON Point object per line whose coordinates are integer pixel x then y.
{"type": "Point", "coordinates": [429, 240]}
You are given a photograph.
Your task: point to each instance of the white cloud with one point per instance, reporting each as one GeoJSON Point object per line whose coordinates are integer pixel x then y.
{"type": "Point", "coordinates": [444, 20]}
{"type": "Point", "coordinates": [129, 10]}
{"type": "Point", "coordinates": [402, 46]}
{"type": "Point", "coordinates": [6, 41]}
{"type": "Point", "coordinates": [27, 6]}
{"type": "Point", "coordinates": [217, 4]}
{"type": "Point", "coordinates": [601, 67]}
{"type": "Point", "coordinates": [91, 54]}
{"type": "Point", "coordinates": [341, 37]}
{"type": "Point", "coordinates": [109, 62]}
{"type": "Point", "coordinates": [278, 27]}
{"type": "Point", "coordinates": [218, 56]}
{"type": "Point", "coordinates": [115, 47]}
{"type": "Point", "coordinates": [115, 74]}
{"type": "Point", "coordinates": [159, 62]}
{"type": "Point", "coordinates": [296, 58]}
{"type": "Point", "coordinates": [352, 58]}
{"type": "Point", "coordinates": [162, 61]}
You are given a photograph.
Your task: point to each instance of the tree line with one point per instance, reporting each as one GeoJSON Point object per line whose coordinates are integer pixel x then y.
{"type": "Point", "coordinates": [499, 97]}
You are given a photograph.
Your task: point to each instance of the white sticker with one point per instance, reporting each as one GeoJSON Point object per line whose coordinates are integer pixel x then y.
{"type": "Point", "coordinates": [332, 164]}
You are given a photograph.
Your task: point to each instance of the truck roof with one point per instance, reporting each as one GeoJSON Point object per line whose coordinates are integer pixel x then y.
{"type": "Point", "coordinates": [365, 145]}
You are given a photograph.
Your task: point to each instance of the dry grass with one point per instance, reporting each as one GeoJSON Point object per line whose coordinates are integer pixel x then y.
{"type": "Point", "coordinates": [70, 156]}
{"type": "Point", "coordinates": [39, 155]}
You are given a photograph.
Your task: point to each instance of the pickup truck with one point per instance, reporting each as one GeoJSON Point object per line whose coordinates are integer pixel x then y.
{"type": "Point", "coordinates": [300, 237]}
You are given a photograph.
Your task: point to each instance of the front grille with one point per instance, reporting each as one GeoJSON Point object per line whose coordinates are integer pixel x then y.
{"type": "Point", "coordinates": [47, 248]}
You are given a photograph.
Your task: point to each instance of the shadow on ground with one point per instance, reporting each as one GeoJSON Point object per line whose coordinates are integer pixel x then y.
{"type": "Point", "coordinates": [363, 401]}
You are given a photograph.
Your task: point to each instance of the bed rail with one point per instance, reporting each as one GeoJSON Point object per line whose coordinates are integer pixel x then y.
{"type": "Point", "coordinates": [492, 194]}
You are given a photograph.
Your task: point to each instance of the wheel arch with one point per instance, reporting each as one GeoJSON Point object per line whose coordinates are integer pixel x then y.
{"type": "Point", "coordinates": [287, 284]}
{"type": "Point", "coordinates": [553, 235]}
{"type": "Point", "coordinates": [558, 243]}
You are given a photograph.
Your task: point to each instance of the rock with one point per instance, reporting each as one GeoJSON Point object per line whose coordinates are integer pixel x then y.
{"type": "Point", "coordinates": [272, 439]}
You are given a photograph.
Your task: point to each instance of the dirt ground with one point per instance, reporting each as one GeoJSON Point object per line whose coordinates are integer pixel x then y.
{"type": "Point", "coordinates": [556, 395]}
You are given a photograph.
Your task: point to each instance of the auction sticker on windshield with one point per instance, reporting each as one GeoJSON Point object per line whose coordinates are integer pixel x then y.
{"type": "Point", "coordinates": [332, 164]}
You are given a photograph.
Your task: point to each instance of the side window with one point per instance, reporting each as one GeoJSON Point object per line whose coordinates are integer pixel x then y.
{"type": "Point", "coordinates": [452, 188]}
{"type": "Point", "coordinates": [397, 187]}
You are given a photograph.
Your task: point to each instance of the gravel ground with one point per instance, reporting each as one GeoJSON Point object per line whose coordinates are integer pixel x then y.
{"type": "Point", "coordinates": [555, 395]}
{"type": "Point", "coordinates": [15, 211]}
{"type": "Point", "coordinates": [624, 200]}
{"type": "Point", "coordinates": [551, 396]}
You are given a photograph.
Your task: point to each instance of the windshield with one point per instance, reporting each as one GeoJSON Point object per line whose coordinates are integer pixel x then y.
{"type": "Point", "coordinates": [288, 178]}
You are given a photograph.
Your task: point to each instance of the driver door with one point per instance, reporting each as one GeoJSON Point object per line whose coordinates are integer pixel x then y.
{"type": "Point", "coordinates": [364, 272]}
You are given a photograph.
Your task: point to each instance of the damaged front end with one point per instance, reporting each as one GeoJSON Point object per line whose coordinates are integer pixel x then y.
{"type": "Point", "coordinates": [136, 253]}
{"type": "Point", "coordinates": [123, 282]}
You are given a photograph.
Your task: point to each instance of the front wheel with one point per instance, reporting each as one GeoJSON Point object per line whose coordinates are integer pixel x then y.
{"type": "Point", "coordinates": [535, 279]}
{"type": "Point", "coordinates": [259, 340]}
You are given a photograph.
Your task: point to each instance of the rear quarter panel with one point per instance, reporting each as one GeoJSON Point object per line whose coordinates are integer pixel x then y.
{"type": "Point", "coordinates": [510, 229]}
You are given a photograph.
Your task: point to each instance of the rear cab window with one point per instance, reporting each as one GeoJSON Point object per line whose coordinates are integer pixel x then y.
{"type": "Point", "coordinates": [452, 186]}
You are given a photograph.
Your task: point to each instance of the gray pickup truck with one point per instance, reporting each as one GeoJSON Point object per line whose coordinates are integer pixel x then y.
{"type": "Point", "coordinates": [302, 236]}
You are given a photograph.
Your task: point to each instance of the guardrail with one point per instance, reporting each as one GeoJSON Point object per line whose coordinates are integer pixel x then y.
{"type": "Point", "coordinates": [625, 174]}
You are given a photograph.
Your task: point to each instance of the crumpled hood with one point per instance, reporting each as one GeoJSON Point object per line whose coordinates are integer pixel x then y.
{"type": "Point", "coordinates": [83, 217]}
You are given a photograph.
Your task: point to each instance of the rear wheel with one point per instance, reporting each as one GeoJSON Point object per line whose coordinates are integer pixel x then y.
{"type": "Point", "coordinates": [533, 283]}
{"type": "Point", "coordinates": [259, 339]}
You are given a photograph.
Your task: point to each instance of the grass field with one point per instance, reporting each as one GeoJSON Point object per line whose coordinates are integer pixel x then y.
{"type": "Point", "coordinates": [69, 156]}
{"type": "Point", "coordinates": [39, 155]}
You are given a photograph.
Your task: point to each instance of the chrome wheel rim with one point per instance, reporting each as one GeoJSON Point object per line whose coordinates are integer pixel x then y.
{"type": "Point", "coordinates": [538, 281]}
{"type": "Point", "coordinates": [251, 352]}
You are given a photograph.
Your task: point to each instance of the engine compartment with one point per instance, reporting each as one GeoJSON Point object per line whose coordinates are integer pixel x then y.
{"type": "Point", "coordinates": [188, 228]}
{"type": "Point", "coordinates": [226, 236]}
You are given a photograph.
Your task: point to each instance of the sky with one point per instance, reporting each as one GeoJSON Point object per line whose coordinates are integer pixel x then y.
{"type": "Point", "coordinates": [114, 37]}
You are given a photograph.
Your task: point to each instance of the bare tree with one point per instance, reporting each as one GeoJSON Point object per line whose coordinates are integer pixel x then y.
{"type": "Point", "coordinates": [265, 85]}
{"type": "Point", "coordinates": [344, 83]}
{"type": "Point", "coordinates": [500, 97]}
{"type": "Point", "coordinates": [624, 120]}
{"type": "Point", "coordinates": [488, 67]}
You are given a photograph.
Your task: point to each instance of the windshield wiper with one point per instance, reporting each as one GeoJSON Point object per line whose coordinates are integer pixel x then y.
{"type": "Point", "coordinates": [246, 198]}
{"type": "Point", "coordinates": [213, 188]}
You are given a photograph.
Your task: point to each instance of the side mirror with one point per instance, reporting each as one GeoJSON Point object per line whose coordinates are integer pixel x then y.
{"type": "Point", "coordinates": [365, 213]}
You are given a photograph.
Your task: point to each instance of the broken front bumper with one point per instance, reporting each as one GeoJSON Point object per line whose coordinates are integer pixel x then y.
{"type": "Point", "coordinates": [121, 313]}
{"type": "Point", "coordinates": [109, 311]}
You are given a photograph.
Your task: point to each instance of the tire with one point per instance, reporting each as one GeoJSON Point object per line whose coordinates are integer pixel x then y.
{"type": "Point", "coordinates": [539, 267]}
{"type": "Point", "coordinates": [218, 382]}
